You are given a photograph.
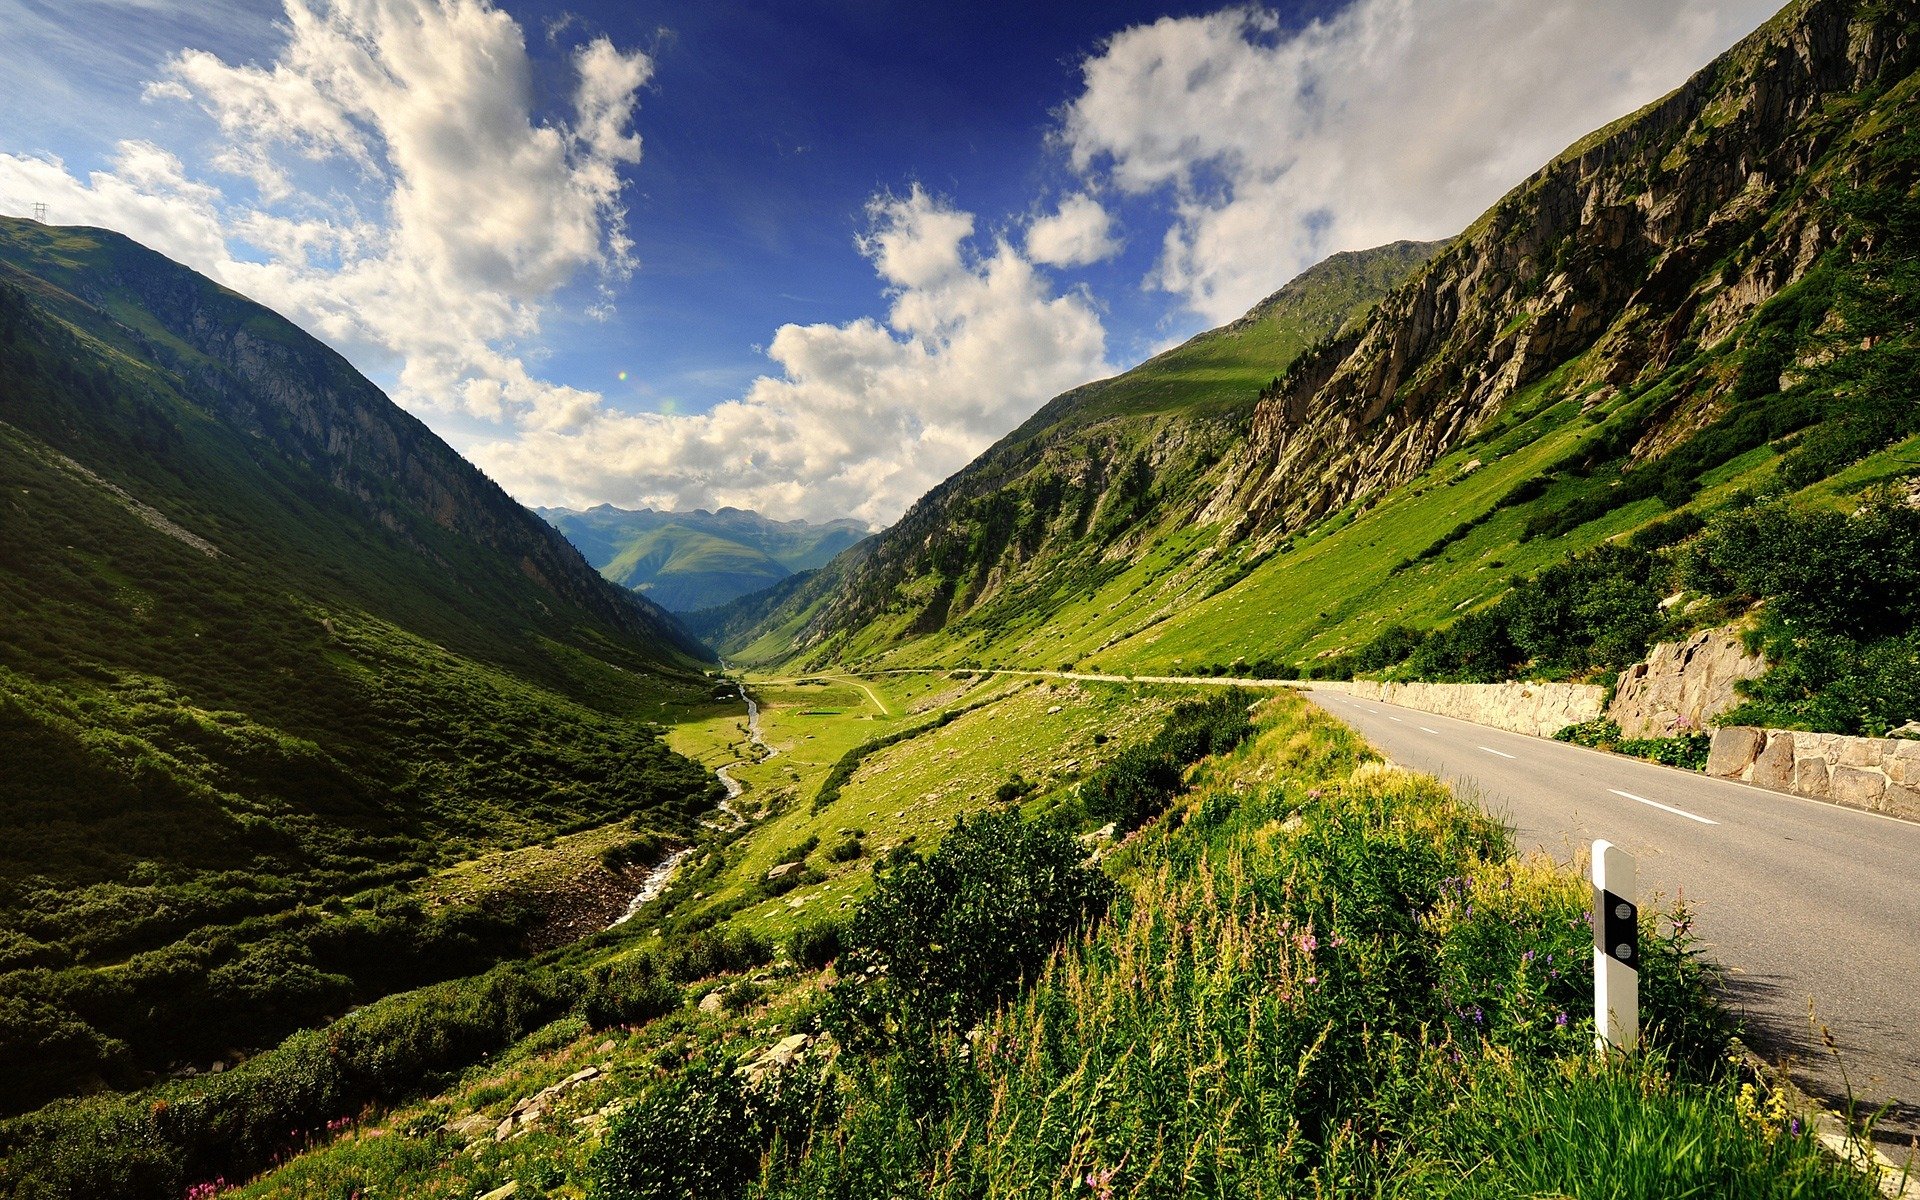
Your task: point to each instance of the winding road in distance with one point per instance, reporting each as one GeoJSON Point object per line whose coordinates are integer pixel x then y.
{"type": "Point", "coordinates": [1800, 901]}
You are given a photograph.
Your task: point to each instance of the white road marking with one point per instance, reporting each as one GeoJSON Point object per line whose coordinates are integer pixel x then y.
{"type": "Point", "coordinates": [1424, 729]}
{"type": "Point", "coordinates": [1396, 720]}
{"type": "Point", "coordinates": [1678, 812]}
{"type": "Point", "coordinates": [1501, 753]}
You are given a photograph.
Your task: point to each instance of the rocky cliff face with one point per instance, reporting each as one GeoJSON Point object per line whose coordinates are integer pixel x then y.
{"type": "Point", "coordinates": [1683, 686]}
{"type": "Point", "coordinates": [1617, 246]}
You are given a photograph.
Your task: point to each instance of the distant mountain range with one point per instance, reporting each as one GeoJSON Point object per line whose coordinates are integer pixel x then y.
{"type": "Point", "coordinates": [684, 561]}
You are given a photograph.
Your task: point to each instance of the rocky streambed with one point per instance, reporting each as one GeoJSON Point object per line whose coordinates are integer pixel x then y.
{"type": "Point", "coordinates": [660, 878]}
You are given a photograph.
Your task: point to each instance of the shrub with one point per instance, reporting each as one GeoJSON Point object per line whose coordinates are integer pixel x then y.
{"type": "Point", "coordinates": [715, 952]}
{"type": "Point", "coordinates": [943, 937]}
{"type": "Point", "coordinates": [817, 943]}
{"type": "Point", "coordinates": [629, 992]}
{"type": "Point", "coordinates": [1136, 786]}
{"type": "Point", "coordinates": [691, 1138]}
{"type": "Point", "coordinates": [1842, 600]}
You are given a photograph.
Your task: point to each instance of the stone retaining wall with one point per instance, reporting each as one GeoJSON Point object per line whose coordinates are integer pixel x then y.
{"type": "Point", "coordinates": [1882, 774]}
{"type": "Point", "coordinates": [1541, 709]}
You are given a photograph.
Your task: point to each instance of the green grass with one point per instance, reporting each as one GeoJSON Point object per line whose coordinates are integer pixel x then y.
{"type": "Point", "coordinates": [906, 793]}
{"type": "Point", "coordinates": [1323, 976]}
{"type": "Point", "coordinates": [227, 766]}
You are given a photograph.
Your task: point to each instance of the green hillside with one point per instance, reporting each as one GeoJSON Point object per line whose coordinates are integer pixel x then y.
{"type": "Point", "coordinates": [271, 654]}
{"type": "Point", "coordinates": [1060, 503]}
{"type": "Point", "coordinates": [1630, 350]}
{"type": "Point", "coordinates": [685, 561]}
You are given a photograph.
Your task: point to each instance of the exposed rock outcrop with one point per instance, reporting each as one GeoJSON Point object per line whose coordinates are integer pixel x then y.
{"type": "Point", "coordinates": [1683, 686]}
{"type": "Point", "coordinates": [1612, 245]}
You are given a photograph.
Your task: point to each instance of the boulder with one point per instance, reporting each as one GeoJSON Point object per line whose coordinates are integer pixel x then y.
{"type": "Point", "coordinates": [784, 870]}
{"type": "Point", "coordinates": [1733, 748]}
{"type": "Point", "coordinates": [470, 1127]}
{"type": "Point", "coordinates": [711, 1002]}
{"type": "Point", "coordinates": [1774, 768]}
{"type": "Point", "coordinates": [1851, 785]}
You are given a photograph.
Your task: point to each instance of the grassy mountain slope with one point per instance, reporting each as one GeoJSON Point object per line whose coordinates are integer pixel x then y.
{"type": "Point", "coordinates": [695, 560]}
{"type": "Point", "coordinates": [1053, 502]}
{"type": "Point", "coordinates": [1709, 299]}
{"type": "Point", "coordinates": [268, 645]}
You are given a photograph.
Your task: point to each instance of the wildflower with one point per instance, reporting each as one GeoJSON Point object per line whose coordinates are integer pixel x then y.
{"type": "Point", "coordinates": [1309, 943]}
{"type": "Point", "coordinates": [1312, 980]}
{"type": "Point", "coordinates": [1101, 1181]}
{"type": "Point", "coordinates": [1527, 957]}
{"type": "Point", "coordinates": [1560, 1021]}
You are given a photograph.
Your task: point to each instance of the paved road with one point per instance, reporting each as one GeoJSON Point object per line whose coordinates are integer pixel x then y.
{"type": "Point", "coordinates": [1800, 901]}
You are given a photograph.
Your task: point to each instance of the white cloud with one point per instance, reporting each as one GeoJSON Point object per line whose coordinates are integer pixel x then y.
{"type": "Point", "coordinates": [862, 417]}
{"type": "Point", "coordinates": [1392, 119]}
{"type": "Point", "coordinates": [458, 216]}
{"type": "Point", "coordinates": [453, 216]}
{"type": "Point", "coordinates": [1080, 232]}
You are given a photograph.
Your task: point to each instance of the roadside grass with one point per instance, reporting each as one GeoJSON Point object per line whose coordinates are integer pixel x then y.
{"type": "Point", "coordinates": [1324, 976]}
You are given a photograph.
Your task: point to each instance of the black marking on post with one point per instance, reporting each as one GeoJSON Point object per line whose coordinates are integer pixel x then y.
{"type": "Point", "coordinates": [1616, 928]}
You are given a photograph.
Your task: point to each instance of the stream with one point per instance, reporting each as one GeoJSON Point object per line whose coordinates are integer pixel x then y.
{"type": "Point", "coordinates": [661, 877]}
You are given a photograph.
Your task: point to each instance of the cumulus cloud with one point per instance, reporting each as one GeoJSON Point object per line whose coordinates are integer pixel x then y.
{"type": "Point", "coordinates": [451, 216]}
{"type": "Point", "coordinates": [1078, 233]}
{"type": "Point", "coordinates": [862, 417]}
{"type": "Point", "coordinates": [460, 216]}
{"type": "Point", "coordinates": [1391, 119]}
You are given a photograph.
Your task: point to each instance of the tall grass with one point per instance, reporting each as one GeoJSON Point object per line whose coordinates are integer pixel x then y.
{"type": "Point", "coordinates": [1324, 976]}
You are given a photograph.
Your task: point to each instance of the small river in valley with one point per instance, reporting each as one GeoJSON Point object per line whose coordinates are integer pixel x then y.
{"type": "Point", "coordinates": [661, 877]}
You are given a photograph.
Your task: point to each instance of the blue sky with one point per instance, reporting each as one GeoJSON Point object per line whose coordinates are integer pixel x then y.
{"type": "Point", "coordinates": [807, 258]}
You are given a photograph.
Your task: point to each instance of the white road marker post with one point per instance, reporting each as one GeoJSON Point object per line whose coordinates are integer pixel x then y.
{"type": "Point", "coordinates": [1616, 951]}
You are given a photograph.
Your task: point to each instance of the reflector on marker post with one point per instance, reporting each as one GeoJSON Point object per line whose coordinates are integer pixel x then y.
{"type": "Point", "coordinates": [1616, 950]}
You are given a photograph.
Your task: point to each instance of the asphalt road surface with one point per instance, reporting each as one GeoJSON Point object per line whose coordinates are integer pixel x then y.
{"type": "Point", "coordinates": [1799, 901]}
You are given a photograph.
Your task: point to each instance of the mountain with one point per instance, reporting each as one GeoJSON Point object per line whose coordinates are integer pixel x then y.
{"type": "Point", "coordinates": [685, 561]}
{"type": "Point", "coordinates": [269, 644]}
{"type": "Point", "coordinates": [1706, 301]}
{"type": "Point", "coordinates": [1056, 506]}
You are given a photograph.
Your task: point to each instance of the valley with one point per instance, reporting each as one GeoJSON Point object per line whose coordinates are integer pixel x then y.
{"type": "Point", "coordinates": [370, 834]}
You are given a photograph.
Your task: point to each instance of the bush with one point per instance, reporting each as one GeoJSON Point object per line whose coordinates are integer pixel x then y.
{"type": "Point", "coordinates": [943, 938]}
{"type": "Point", "coordinates": [692, 1138]}
{"type": "Point", "coordinates": [629, 992]}
{"type": "Point", "coordinates": [816, 944]}
{"type": "Point", "coordinates": [158, 1142]}
{"type": "Point", "coordinates": [1136, 786]}
{"type": "Point", "coordinates": [1688, 751]}
{"type": "Point", "coordinates": [1842, 600]}
{"type": "Point", "coordinates": [715, 952]}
